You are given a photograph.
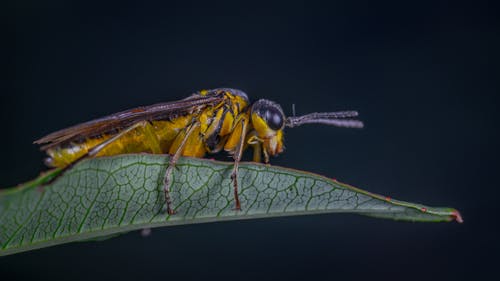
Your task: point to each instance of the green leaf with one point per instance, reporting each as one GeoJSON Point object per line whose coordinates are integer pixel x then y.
{"type": "Point", "coordinates": [110, 195]}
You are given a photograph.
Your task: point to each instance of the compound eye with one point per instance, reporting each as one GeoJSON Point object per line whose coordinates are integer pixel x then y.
{"type": "Point", "coordinates": [270, 112]}
{"type": "Point", "coordinates": [274, 118]}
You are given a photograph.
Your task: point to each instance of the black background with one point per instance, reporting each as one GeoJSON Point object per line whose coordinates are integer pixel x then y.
{"type": "Point", "coordinates": [423, 76]}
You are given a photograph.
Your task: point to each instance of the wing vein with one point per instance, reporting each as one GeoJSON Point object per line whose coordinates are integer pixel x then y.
{"type": "Point", "coordinates": [126, 118]}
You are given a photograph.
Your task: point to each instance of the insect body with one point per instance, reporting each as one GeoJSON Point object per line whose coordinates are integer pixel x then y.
{"type": "Point", "coordinates": [206, 122]}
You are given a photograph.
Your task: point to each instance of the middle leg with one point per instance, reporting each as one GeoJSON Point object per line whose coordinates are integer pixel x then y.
{"type": "Point", "coordinates": [237, 158]}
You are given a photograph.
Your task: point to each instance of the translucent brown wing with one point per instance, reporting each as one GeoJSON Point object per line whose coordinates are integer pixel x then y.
{"type": "Point", "coordinates": [127, 118]}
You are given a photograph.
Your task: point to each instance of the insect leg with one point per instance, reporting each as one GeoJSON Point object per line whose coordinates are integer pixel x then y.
{"type": "Point", "coordinates": [256, 144]}
{"type": "Point", "coordinates": [266, 156]}
{"type": "Point", "coordinates": [172, 162]}
{"type": "Point", "coordinates": [98, 148]}
{"type": "Point", "coordinates": [237, 157]}
{"type": "Point", "coordinates": [257, 152]}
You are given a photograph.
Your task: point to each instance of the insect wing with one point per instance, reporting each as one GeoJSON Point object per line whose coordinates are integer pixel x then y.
{"type": "Point", "coordinates": [127, 118]}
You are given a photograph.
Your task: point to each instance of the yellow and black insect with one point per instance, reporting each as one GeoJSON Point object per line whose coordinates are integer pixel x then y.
{"type": "Point", "coordinates": [206, 122]}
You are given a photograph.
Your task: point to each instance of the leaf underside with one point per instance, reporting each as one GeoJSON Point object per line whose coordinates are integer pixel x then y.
{"type": "Point", "coordinates": [110, 195]}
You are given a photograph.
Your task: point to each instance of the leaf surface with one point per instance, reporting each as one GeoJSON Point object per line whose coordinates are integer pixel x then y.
{"type": "Point", "coordinates": [111, 195]}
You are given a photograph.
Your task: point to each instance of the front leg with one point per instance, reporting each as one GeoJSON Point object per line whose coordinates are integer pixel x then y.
{"type": "Point", "coordinates": [256, 144]}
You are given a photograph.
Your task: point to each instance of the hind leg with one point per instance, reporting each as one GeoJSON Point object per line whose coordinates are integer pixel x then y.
{"type": "Point", "coordinates": [173, 160]}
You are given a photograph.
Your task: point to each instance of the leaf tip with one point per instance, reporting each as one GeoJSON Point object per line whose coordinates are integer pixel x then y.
{"type": "Point", "coordinates": [455, 215]}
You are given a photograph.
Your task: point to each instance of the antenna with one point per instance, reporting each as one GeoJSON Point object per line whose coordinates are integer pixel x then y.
{"type": "Point", "coordinates": [338, 119]}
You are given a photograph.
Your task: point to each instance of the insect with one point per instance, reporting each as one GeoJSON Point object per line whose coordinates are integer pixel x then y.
{"type": "Point", "coordinates": [208, 121]}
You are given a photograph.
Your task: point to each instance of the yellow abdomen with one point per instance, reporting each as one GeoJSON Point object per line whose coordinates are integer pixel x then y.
{"type": "Point", "coordinates": [215, 130]}
{"type": "Point", "coordinates": [136, 141]}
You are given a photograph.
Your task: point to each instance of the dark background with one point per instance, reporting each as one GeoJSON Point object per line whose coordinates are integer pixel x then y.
{"type": "Point", "coordinates": [423, 76]}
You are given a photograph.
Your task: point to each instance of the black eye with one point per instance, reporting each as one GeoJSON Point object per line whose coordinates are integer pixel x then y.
{"type": "Point", "coordinates": [274, 118]}
{"type": "Point", "coordinates": [271, 112]}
